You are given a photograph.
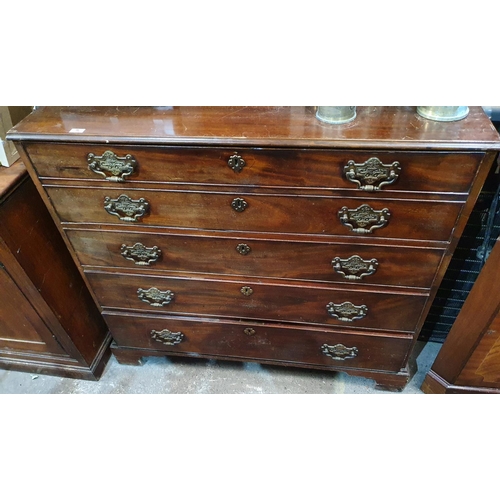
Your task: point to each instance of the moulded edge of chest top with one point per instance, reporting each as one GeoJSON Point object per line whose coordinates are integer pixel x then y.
{"type": "Point", "coordinates": [355, 144]}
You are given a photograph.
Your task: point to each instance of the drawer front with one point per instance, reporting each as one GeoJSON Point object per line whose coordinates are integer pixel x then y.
{"type": "Point", "coordinates": [419, 171]}
{"type": "Point", "coordinates": [326, 262]}
{"type": "Point", "coordinates": [420, 220]}
{"type": "Point", "coordinates": [259, 342]}
{"type": "Point", "coordinates": [246, 299]}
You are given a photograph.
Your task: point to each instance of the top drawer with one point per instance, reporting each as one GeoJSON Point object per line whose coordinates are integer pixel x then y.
{"type": "Point", "coordinates": [310, 168]}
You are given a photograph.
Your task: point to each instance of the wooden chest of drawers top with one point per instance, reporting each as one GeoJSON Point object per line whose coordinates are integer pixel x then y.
{"type": "Point", "coordinates": [375, 127]}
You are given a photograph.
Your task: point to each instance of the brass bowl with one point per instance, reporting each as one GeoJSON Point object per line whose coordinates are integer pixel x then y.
{"type": "Point", "coordinates": [336, 114]}
{"type": "Point", "coordinates": [443, 113]}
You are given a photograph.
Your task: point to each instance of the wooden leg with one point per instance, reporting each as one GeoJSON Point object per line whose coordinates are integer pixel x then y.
{"type": "Point", "coordinates": [392, 388]}
{"type": "Point", "coordinates": [393, 382]}
{"type": "Point", "coordinates": [126, 356]}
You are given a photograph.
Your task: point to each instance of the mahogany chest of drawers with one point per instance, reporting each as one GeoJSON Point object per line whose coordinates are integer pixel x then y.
{"type": "Point", "coordinates": [261, 234]}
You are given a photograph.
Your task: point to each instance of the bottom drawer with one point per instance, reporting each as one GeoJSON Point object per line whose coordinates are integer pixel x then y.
{"type": "Point", "coordinates": [259, 341]}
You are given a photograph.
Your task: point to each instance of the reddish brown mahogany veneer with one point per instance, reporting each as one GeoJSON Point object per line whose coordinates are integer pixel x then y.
{"type": "Point", "coordinates": [469, 360]}
{"type": "Point", "coordinates": [261, 234]}
{"type": "Point", "coordinates": [48, 321]}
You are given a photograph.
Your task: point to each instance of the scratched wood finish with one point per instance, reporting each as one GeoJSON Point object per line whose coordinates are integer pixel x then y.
{"type": "Point", "coordinates": [418, 220]}
{"type": "Point", "coordinates": [291, 260]}
{"type": "Point", "coordinates": [375, 127]}
{"type": "Point", "coordinates": [42, 290]}
{"type": "Point", "coordinates": [267, 302]}
{"type": "Point", "coordinates": [268, 343]}
{"type": "Point", "coordinates": [10, 178]}
{"type": "Point", "coordinates": [431, 172]}
{"type": "Point", "coordinates": [294, 186]}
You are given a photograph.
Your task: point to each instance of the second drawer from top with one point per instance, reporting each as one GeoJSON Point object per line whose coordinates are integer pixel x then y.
{"type": "Point", "coordinates": [250, 212]}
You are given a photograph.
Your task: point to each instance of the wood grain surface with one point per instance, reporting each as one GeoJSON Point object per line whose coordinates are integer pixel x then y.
{"type": "Point", "coordinates": [291, 260]}
{"type": "Point", "coordinates": [375, 127]}
{"type": "Point", "coordinates": [269, 342]}
{"type": "Point", "coordinates": [321, 169]}
{"type": "Point", "coordinates": [315, 215]}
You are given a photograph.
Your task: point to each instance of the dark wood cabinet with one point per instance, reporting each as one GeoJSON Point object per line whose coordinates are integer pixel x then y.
{"type": "Point", "coordinates": [48, 321]}
{"type": "Point", "coordinates": [469, 360]}
{"type": "Point", "coordinates": [261, 234]}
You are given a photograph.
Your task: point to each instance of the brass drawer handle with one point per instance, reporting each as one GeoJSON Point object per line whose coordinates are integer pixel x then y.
{"type": "Point", "coordinates": [155, 297]}
{"type": "Point", "coordinates": [110, 163]}
{"type": "Point", "coordinates": [364, 219]}
{"type": "Point", "coordinates": [366, 175]}
{"type": "Point", "coordinates": [243, 249]}
{"type": "Point", "coordinates": [239, 204]}
{"type": "Point", "coordinates": [167, 337]}
{"type": "Point", "coordinates": [354, 268]}
{"type": "Point", "coordinates": [346, 311]}
{"type": "Point", "coordinates": [236, 162]}
{"type": "Point", "coordinates": [339, 352]}
{"type": "Point", "coordinates": [125, 208]}
{"type": "Point", "coordinates": [140, 254]}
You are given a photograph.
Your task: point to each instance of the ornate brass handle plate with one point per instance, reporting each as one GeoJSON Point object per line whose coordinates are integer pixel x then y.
{"type": "Point", "coordinates": [249, 331]}
{"type": "Point", "coordinates": [339, 352]}
{"type": "Point", "coordinates": [246, 291]}
{"type": "Point", "coordinates": [155, 297]}
{"type": "Point", "coordinates": [125, 208]}
{"type": "Point", "coordinates": [236, 162]}
{"type": "Point", "coordinates": [372, 174]}
{"type": "Point", "coordinates": [140, 254]}
{"type": "Point", "coordinates": [354, 268]}
{"type": "Point", "coordinates": [167, 337]}
{"type": "Point", "coordinates": [346, 311]}
{"type": "Point", "coordinates": [109, 163]}
{"type": "Point", "coordinates": [364, 219]}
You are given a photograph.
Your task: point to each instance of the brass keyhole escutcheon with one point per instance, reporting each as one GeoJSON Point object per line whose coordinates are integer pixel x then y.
{"type": "Point", "coordinates": [249, 331]}
{"type": "Point", "coordinates": [246, 291]}
{"type": "Point", "coordinates": [239, 204]}
{"type": "Point", "coordinates": [243, 249]}
{"type": "Point", "coordinates": [236, 162]}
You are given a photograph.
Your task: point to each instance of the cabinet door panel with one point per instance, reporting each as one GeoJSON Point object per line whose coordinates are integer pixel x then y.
{"type": "Point", "coordinates": [21, 328]}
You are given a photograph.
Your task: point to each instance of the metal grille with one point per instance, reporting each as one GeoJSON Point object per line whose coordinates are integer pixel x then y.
{"type": "Point", "coordinates": [466, 262]}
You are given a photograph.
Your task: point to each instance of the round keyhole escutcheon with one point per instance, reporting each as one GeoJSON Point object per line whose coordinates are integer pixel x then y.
{"type": "Point", "coordinates": [246, 291]}
{"type": "Point", "coordinates": [243, 249]}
